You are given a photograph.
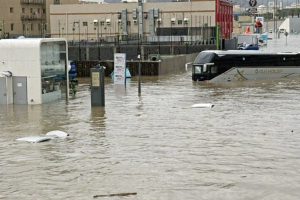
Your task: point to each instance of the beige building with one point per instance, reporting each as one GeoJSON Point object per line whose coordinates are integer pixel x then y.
{"type": "Point", "coordinates": [29, 18]}
{"type": "Point", "coordinates": [90, 22]}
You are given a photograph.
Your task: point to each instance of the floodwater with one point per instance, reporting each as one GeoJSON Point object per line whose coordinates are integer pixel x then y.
{"type": "Point", "coordinates": [245, 147]}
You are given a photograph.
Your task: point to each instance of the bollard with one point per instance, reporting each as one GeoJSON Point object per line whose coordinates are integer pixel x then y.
{"type": "Point", "coordinates": [97, 86]}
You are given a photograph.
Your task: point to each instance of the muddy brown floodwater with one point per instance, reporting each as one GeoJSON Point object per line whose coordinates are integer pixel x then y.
{"type": "Point", "coordinates": [156, 145]}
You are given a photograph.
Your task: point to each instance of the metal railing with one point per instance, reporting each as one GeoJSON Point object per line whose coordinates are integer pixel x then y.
{"type": "Point", "coordinates": [32, 1]}
{"type": "Point", "coordinates": [31, 16]}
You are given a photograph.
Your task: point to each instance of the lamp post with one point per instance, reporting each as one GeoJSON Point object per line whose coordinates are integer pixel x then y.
{"type": "Point", "coordinates": [41, 28]}
{"type": "Point", "coordinates": [171, 39]}
{"type": "Point", "coordinates": [28, 30]}
{"type": "Point", "coordinates": [79, 40]}
{"type": "Point", "coordinates": [87, 32]}
{"type": "Point", "coordinates": [73, 29]}
{"type": "Point", "coordinates": [45, 29]}
{"type": "Point", "coordinates": [98, 39]}
{"type": "Point", "coordinates": [59, 28]}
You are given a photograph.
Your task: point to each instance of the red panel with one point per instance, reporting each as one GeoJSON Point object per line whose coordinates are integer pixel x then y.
{"type": "Point", "coordinates": [224, 16]}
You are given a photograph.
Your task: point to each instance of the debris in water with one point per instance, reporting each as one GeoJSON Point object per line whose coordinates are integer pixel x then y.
{"type": "Point", "coordinates": [112, 195]}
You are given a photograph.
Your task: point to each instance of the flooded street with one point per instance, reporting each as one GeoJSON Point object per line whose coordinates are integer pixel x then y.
{"type": "Point", "coordinates": [245, 147]}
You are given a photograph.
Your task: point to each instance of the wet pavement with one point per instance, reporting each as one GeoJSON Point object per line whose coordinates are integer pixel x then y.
{"type": "Point", "coordinates": [245, 147]}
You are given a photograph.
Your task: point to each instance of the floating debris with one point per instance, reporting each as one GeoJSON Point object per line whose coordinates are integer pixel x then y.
{"type": "Point", "coordinates": [202, 105]}
{"type": "Point", "coordinates": [37, 139]}
{"type": "Point", "coordinates": [113, 195]}
{"type": "Point", "coordinates": [34, 139]}
{"type": "Point", "coordinates": [57, 133]}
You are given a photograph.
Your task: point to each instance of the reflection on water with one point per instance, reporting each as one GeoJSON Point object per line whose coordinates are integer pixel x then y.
{"type": "Point", "coordinates": [245, 147]}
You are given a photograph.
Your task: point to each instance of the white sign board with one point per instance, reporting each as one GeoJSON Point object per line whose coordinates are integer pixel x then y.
{"type": "Point", "coordinates": [261, 19]}
{"type": "Point", "coordinates": [119, 68]}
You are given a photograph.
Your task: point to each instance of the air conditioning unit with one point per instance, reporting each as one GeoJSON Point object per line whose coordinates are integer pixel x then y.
{"type": "Point", "coordinates": [95, 22]}
{"type": "Point", "coordinates": [159, 21]}
{"type": "Point", "coordinates": [107, 21]}
{"type": "Point", "coordinates": [173, 20]}
{"type": "Point", "coordinates": [135, 22]}
{"type": "Point", "coordinates": [186, 20]}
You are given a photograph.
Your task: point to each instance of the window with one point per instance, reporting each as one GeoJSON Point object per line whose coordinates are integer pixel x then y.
{"type": "Point", "coordinates": [11, 27]}
{"type": "Point", "coordinates": [38, 10]}
{"type": "Point", "coordinates": [75, 24]}
{"type": "Point", "coordinates": [56, 2]}
{"type": "Point", "coordinates": [84, 23]}
{"type": "Point", "coordinates": [31, 27]}
{"type": "Point", "coordinates": [44, 11]}
{"type": "Point", "coordinates": [11, 10]}
{"type": "Point", "coordinates": [213, 69]}
{"type": "Point", "coordinates": [39, 26]}
{"type": "Point", "coordinates": [102, 23]}
{"type": "Point", "coordinates": [31, 10]}
{"type": "Point", "coordinates": [128, 23]}
{"type": "Point", "coordinates": [24, 27]}
{"type": "Point", "coordinates": [179, 21]}
{"type": "Point", "coordinates": [197, 70]}
{"type": "Point", "coordinates": [23, 10]}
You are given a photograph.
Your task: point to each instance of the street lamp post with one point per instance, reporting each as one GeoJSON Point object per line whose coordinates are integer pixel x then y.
{"type": "Point", "coordinates": [73, 35]}
{"type": "Point", "coordinates": [98, 39]}
{"type": "Point", "coordinates": [171, 39]}
{"type": "Point", "coordinates": [59, 28]}
{"type": "Point", "coordinates": [45, 29]}
{"type": "Point", "coordinates": [87, 32]}
{"type": "Point", "coordinates": [41, 28]}
{"type": "Point", "coordinates": [28, 29]}
{"type": "Point", "coordinates": [79, 41]}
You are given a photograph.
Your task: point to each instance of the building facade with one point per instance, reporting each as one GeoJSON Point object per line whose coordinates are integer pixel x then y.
{"type": "Point", "coordinates": [175, 20]}
{"type": "Point", "coordinates": [29, 18]}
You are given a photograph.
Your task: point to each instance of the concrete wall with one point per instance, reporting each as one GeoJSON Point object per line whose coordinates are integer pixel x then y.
{"type": "Point", "coordinates": [176, 64]}
{"type": "Point", "coordinates": [291, 24]}
{"type": "Point", "coordinates": [171, 65]}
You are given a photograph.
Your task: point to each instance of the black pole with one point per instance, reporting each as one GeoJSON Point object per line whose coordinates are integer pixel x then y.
{"type": "Point", "coordinates": [171, 40]}
{"type": "Point", "coordinates": [139, 77]}
{"type": "Point", "coordinates": [274, 20]}
{"type": "Point", "coordinates": [98, 41]}
{"type": "Point", "coordinates": [73, 35]}
{"type": "Point", "coordinates": [158, 34]}
{"type": "Point", "coordinates": [79, 40]}
{"type": "Point", "coordinates": [59, 27]}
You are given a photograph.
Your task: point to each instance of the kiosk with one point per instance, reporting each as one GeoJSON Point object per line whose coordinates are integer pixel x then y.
{"type": "Point", "coordinates": [33, 71]}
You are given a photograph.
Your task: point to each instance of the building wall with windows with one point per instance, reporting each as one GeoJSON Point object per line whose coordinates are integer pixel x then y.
{"type": "Point", "coordinates": [89, 22]}
{"type": "Point", "coordinates": [29, 18]}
